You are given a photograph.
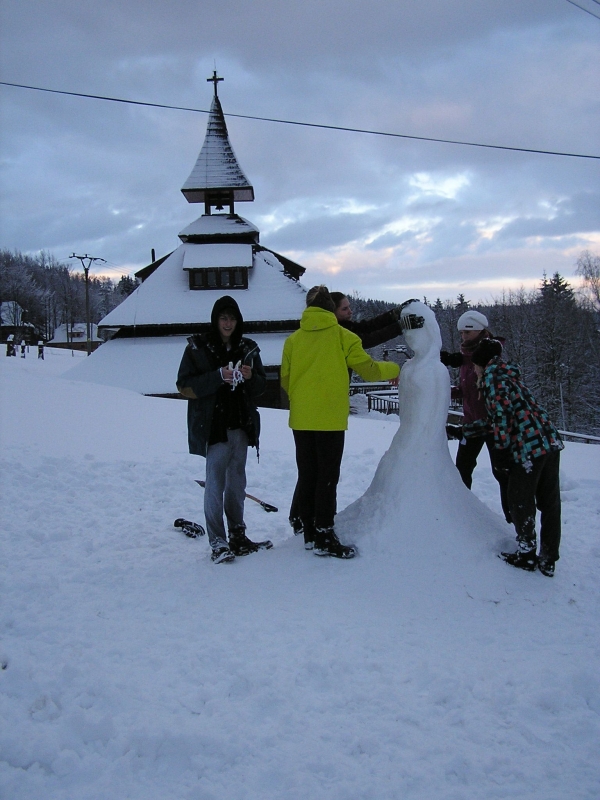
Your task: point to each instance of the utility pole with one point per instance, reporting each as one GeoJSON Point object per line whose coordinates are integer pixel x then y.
{"type": "Point", "coordinates": [86, 263]}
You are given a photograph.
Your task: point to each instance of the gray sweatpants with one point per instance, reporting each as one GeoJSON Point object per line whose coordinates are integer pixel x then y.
{"type": "Point", "coordinates": [225, 486]}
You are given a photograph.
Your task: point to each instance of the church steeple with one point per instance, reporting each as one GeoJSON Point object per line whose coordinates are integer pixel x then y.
{"type": "Point", "coordinates": [217, 179]}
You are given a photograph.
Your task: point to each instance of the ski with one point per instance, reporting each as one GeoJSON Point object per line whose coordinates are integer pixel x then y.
{"type": "Point", "coordinates": [266, 506]}
{"type": "Point", "coordinates": [191, 529]}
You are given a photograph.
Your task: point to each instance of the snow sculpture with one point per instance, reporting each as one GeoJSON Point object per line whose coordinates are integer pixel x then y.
{"type": "Point", "coordinates": [417, 497]}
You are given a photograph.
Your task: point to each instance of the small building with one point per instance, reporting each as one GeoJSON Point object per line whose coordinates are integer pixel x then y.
{"type": "Point", "coordinates": [12, 323]}
{"type": "Point", "coordinates": [220, 253]}
{"type": "Point", "coordinates": [73, 336]}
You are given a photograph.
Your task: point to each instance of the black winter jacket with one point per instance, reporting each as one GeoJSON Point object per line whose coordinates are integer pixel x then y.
{"type": "Point", "coordinates": [199, 380]}
{"type": "Point", "coordinates": [376, 330]}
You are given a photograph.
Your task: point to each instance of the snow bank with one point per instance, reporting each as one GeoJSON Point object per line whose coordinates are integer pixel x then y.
{"type": "Point", "coordinates": [136, 668]}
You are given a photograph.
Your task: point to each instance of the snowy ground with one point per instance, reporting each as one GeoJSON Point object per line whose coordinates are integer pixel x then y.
{"type": "Point", "coordinates": [135, 668]}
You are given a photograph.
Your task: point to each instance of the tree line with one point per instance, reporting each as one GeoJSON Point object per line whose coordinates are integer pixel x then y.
{"type": "Point", "coordinates": [51, 294]}
{"type": "Point", "coordinates": [552, 332]}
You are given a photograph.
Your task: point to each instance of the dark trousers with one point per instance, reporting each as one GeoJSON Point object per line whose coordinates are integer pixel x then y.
{"type": "Point", "coordinates": [466, 461]}
{"type": "Point", "coordinates": [318, 458]}
{"type": "Point", "coordinates": [539, 488]}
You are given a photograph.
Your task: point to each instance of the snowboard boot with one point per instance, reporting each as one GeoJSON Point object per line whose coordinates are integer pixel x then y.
{"type": "Point", "coordinates": [241, 545]}
{"type": "Point", "coordinates": [328, 544]}
{"type": "Point", "coordinates": [221, 555]}
{"type": "Point", "coordinates": [523, 559]}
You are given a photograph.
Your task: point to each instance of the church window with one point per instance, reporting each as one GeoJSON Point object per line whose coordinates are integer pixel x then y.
{"type": "Point", "coordinates": [218, 278]}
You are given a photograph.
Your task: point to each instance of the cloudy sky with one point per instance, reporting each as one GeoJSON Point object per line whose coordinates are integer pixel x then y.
{"type": "Point", "coordinates": [388, 217]}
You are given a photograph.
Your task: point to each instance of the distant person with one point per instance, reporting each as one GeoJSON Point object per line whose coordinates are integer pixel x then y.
{"type": "Point", "coordinates": [314, 373]}
{"type": "Point", "coordinates": [10, 346]}
{"type": "Point", "coordinates": [527, 449]}
{"type": "Point", "coordinates": [371, 332]}
{"type": "Point", "coordinates": [221, 374]}
{"type": "Point", "coordinates": [23, 346]}
{"type": "Point", "coordinates": [473, 433]}
{"type": "Point", "coordinates": [41, 350]}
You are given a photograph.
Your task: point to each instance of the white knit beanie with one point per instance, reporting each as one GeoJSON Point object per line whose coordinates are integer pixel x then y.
{"type": "Point", "coordinates": [472, 321]}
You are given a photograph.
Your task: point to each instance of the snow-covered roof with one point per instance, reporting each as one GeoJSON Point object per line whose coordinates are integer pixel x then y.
{"type": "Point", "coordinates": [217, 255]}
{"type": "Point", "coordinates": [149, 365]}
{"type": "Point", "coordinates": [76, 331]}
{"type": "Point", "coordinates": [216, 166]}
{"type": "Point", "coordinates": [218, 225]}
{"type": "Point", "coordinates": [165, 297]}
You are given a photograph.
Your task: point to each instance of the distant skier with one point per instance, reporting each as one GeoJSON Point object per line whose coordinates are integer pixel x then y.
{"type": "Point", "coordinates": [10, 346]}
{"type": "Point", "coordinates": [23, 346]}
{"type": "Point", "coordinates": [41, 350]}
{"type": "Point", "coordinates": [221, 374]}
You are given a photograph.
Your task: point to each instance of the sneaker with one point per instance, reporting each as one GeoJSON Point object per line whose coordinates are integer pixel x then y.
{"type": "Point", "coordinates": [523, 559]}
{"type": "Point", "coordinates": [221, 555]}
{"type": "Point", "coordinates": [546, 567]}
{"type": "Point", "coordinates": [327, 544]}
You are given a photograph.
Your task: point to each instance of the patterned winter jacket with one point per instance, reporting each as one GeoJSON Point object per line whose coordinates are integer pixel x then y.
{"type": "Point", "coordinates": [517, 421]}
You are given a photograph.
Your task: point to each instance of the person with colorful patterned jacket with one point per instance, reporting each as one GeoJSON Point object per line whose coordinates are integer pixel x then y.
{"type": "Point", "coordinates": [527, 448]}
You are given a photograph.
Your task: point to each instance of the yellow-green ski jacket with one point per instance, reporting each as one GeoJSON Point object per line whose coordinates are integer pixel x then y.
{"type": "Point", "coordinates": [314, 371]}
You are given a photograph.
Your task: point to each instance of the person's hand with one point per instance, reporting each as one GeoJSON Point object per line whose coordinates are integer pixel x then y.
{"type": "Point", "coordinates": [227, 374]}
{"type": "Point", "coordinates": [246, 372]}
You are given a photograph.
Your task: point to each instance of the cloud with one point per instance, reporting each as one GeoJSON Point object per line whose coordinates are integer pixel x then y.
{"type": "Point", "coordinates": [103, 176]}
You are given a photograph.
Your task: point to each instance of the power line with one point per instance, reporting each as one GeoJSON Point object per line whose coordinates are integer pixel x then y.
{"type": "Point", "coordinates": [585, 9]}
{"type": "Point", "coordinates": [306, 124]}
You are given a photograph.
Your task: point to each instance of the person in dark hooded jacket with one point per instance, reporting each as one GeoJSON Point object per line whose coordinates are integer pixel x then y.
{"type": "Point", "coordinates": [221, 375]}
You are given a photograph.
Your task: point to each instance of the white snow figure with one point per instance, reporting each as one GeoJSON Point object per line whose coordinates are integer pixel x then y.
{"type": "Point", "coordinates": [417, 490]}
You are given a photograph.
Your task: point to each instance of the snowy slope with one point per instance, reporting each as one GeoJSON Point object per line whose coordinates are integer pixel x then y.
{"type": "Point", "coordinates": [137, 669]}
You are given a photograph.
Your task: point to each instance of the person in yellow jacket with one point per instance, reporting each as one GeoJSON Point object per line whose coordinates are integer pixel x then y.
{"type": "Point", "coordinates": [314, 373]}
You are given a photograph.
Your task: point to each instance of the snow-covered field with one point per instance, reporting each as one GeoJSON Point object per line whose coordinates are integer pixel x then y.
{"type": "Point", "coordinates": [135, 668]}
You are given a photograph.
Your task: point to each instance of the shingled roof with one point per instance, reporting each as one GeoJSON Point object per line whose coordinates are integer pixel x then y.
{"type": "Point", "coordinates": [217, 177]}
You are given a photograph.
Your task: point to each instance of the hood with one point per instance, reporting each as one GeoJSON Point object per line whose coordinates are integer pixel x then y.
{"type": "Point", "coordinates": [502, 369]}
{"type": "Point", "coordinates": [227, 303]}
{"type": "Point", "coordinates": [317, 319]}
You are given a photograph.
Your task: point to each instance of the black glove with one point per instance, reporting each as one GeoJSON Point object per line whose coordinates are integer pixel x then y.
{"type": "Point", "coordinates": [451, 359]}
{"type": "Point", "coordinates": [454, 431]}
{"type": "Point", "coordinates": [411, 321]}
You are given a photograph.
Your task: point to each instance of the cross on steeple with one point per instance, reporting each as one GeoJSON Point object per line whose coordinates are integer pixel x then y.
{"type": "Point", "coordinates": [214, 80]}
